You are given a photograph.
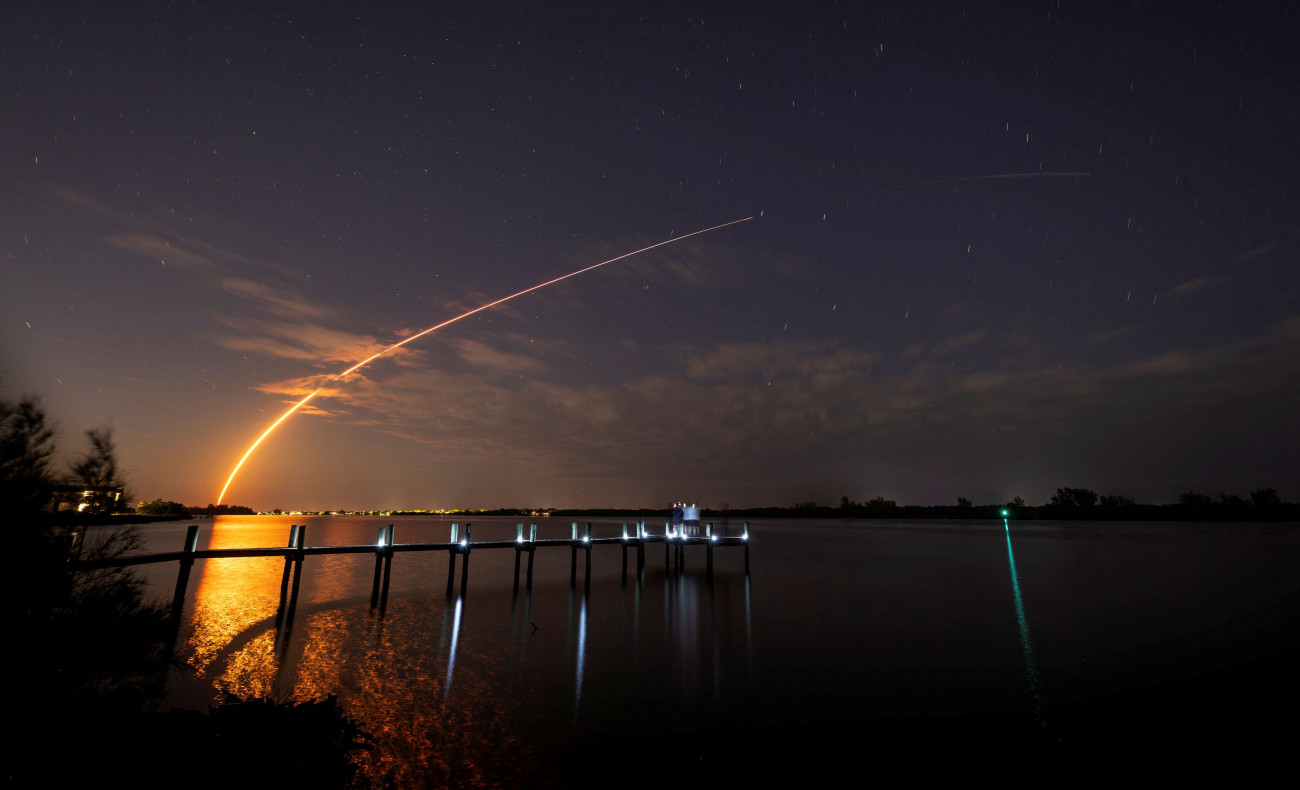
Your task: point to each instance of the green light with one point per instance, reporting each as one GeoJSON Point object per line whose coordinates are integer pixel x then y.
{"type": "Point", "coordinates": [1004, 513]}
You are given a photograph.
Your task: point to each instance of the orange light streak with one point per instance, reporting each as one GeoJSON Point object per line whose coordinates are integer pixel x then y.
{"type": "Point", "coordinates": [435, 328]}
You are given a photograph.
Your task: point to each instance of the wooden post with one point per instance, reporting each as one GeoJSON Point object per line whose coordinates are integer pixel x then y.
{"type": "Point", "coordinates": [746, 536]}
{"type": "Point", "coordinates": [586, 542]}
{"type": "Point", "coordinates": [451, 563]}
{"type": "Point", "coordinates": [388, 565]}
{"type": "Point", "coordinates": [299, 543]}
{"type": "Point", "coordinates": [709, 553]}
{"type": "Point", "coordinates": [532, 549]}
{"type": "Point", "coordinates": [379, 564]}
{"type": "Point", "coordinates": [640, 548]}
{"type": "Point", "coordinates": [288, 564]}
{"type": "Point", "coordinates": [464, 563]}
{"type": "Point", "coordinates": [519, 542]}
{"type": "Point", "coordinates": [183, 575]}
{"type": "Point", "coordinates": [573, 556]}
{"type": "Point", "coordinates": [668, 549]}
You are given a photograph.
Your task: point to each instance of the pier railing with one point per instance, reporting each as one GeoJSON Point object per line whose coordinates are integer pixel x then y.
{"type": "Point", "coordinates": [674, 538]}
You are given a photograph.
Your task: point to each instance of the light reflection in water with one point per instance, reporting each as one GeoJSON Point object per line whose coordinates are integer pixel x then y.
{"type": "Point", "coordinates": [232, 595]}
{"type": "Point", "coordinates": [252, 670]}
{"type": "Point", "coordinates": [580, 664]}
{"type": "Point", "coordinates": [383, 664]}
{"type": "Point", "coordinates": [1026, 642]}
{"type": "Point", "coordinates": [455, 639]}
{"type": "Point", "coordinates": [512, 702]}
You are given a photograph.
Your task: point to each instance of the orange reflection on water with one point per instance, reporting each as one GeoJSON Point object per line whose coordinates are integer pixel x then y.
{"type": "Point", "coordinates": [233, 594]}
{"type": "Point", "coordinates": [252, 670]}
{"type": "Point", "coordinates": [381, 668]}
{"type": "Point", "coordinates": [389, 669]}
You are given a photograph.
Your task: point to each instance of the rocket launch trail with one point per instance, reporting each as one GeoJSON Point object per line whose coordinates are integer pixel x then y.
{"type": "Point", "coordinates": [270, 429]}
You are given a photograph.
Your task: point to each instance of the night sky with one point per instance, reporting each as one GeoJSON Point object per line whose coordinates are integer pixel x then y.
{"type": "Point", "coordinates": [997, 248]}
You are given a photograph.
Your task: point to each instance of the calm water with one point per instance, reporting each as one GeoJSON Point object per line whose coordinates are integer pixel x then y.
{"type": "Point", "coordinates": [849, 643]}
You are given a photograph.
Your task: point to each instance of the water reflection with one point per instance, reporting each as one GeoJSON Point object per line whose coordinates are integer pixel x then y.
{"type": "Point", "coordinates": [848, 625]}
{"type": "Point", "coordinates": [581, 658]}
{"type": "Point", "coordinates": [457, 608]}
{"type": "Point", "coordinates": [1026, 642]}
{"type": "Point", "coordinates": [290, 629]}
{"type": "Point", "coordinates": [232, 595]}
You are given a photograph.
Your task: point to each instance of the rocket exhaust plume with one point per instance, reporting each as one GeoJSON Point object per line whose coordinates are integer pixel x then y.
{"type": "Point", "coordinates": [435, 328]}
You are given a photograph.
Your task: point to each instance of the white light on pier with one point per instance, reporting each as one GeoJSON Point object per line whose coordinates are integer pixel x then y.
{"type": "Point", "coordinates": [464, 542]}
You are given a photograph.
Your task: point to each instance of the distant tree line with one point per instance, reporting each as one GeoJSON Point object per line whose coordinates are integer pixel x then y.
{"type": "Point", "coordinates": [1071, 504]}
{"type": "Point", "coordinates": [1076, 504]}
{"type": "Point", "coordinates": [221, 510]}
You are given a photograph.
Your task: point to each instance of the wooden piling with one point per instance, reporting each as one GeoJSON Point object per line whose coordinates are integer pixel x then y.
{"type": "Point", "coordinates": [300, 542]}
{"type": "Point", "coordinates": [519, 542]}
{"type": "Point", "coordinates": [746, 541]}
{"type": "Point", "coordinates": [708, 536]}
{"type": "Point", "coordinates": [288, 563]}
{"type": "Point", "coordinates": [532, 549]}
{"type": "Point", "coordinates": [640, 548]}
{"type": "Point", "coordinates": [573, 556]}
{"type": "Point", "coordinates": [586, 544]}
{"type": "Point", "coordinates": [625, 550]}
{"type": "Point", "coordinates": [389, 538]}
{"type": "Point", "coordinates": [379, 564]}
{"type": "Point", "coordinates": [183, 575]}
{"type": "Point", "coordinates": [451, 563]}
{"type": "Point", "coordinates": [464, 563]}
{"type": "Point", "coordinates": [668, 550]}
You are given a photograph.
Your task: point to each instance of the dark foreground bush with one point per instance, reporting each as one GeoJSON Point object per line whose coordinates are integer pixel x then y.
{"type": "Point", "coordinates": [239, 743]}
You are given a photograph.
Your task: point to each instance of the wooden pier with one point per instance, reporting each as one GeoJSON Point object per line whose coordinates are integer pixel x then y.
{"type": "Point", "coordinates": [675, 540]}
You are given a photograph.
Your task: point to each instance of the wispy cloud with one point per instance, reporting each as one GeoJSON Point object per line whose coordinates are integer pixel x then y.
{"type": "Point", "coordinates": [1192, 285]}
{"type": "Point", "coordinates": [158, 249]}
{"type": "Point", "coordinates": [482, 355]}
{"type": "Point", "coordinates": [787, 403]}
{"type": "Point", "coordinates": [277, 301]}
{"type": "Point", "coordinates": [961, 342]}
{"type": "Point", "coordinates": [305, 341]}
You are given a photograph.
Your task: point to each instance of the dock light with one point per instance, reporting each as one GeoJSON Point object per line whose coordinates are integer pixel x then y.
{"type": "Point", "coordinates": [519, 539]}
{"type": "Point", "coordinates": [745, 536]}
{"type": "Point", "coordinates": [381, 541]}
{"type": "Point", "coordinates": [464, 542]}
{"type": "Point", "coordinates": [713, 538]}
{"type": "Point", "coordinates": [586, 539]}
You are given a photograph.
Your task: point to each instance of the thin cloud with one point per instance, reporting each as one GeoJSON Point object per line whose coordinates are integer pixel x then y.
{"type": "Point", "coordinates": [277, 301]}
{"type": "Point", "coordinates": [955, 344]}
{"type": "Point", "coordinates": [482, 355]}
